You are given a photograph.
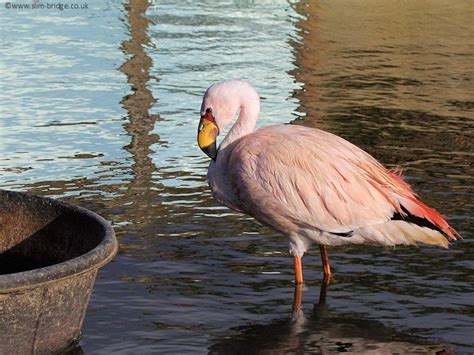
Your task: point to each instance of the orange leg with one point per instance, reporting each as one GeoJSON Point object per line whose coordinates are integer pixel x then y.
{"type": "Point", "coordinates": [325, 260]}
{"type": "Point", "coordinates": [297, 297]}
{"type": "Point", "coordinates": [320, 309]}
{"type": "Point", "coordinates": [324, 289]}
{"type": "Point", "coordinates": [298, 270]}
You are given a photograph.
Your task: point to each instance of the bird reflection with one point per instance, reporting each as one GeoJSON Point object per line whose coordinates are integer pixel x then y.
{"type": "Point", "coordinates": [322, 331]}
{"type": "Point", "coordinates": [298, 294]}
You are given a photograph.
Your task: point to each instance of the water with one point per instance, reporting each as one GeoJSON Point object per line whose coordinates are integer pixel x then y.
{"type": "Point", "coordinates": [100, 107]}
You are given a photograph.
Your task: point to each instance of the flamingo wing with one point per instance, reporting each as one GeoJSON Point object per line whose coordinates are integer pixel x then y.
{"type": "Point", "coordinates": [292, 177]}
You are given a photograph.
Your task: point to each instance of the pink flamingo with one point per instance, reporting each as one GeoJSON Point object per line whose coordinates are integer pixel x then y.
{"type": "Point", "coordinates": [310, 185]}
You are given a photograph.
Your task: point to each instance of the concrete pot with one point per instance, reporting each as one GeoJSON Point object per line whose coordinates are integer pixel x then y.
{"type": "Point", "coordinates": [50, 252]}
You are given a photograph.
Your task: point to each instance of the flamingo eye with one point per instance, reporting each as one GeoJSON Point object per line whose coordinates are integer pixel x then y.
{"type": "Point", "coordinates": [208, 115]}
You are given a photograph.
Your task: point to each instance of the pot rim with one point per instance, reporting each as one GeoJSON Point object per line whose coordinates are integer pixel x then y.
{"type": "Point", "coordinates": [94, 259]}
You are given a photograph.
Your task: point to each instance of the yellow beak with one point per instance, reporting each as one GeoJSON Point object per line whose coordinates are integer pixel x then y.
{"type": "Point", "coordinates": [207, 135]}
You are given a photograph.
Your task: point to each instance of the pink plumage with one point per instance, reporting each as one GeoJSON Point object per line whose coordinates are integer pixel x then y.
{"type": "Point", "coordinates": [311, 185]}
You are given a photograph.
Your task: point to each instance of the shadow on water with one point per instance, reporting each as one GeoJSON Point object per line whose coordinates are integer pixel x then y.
{"type": "Point", "coordinates": [323, 330]}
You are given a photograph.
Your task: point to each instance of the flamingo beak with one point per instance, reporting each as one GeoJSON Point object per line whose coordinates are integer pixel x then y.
{"type": "Point", "coordinates": [207, 135]}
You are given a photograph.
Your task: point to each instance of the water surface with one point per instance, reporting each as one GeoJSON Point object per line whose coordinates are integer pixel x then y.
{"type": "Point", "coordinates": [100, 108]}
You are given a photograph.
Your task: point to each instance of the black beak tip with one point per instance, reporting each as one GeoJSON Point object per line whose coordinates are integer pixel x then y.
{"type": "Point", "coordinates": [211, 151]}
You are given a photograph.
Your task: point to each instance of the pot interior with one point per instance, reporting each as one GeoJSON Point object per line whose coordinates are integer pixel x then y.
{"type": "Point", "coordinates": [37, 232]}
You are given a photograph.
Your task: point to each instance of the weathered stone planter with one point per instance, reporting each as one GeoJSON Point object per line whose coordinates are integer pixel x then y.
{"type": "Point", "coordinates": [50, 252]}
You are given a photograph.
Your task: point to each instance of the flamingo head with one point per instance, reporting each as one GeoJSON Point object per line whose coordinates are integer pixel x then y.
{"type": "Point", "coordinates": [208, 131]}
{"type": "Point", "coordinates": [221, 103]}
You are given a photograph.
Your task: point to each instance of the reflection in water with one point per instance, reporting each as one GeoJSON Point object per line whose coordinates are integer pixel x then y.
{"type": "Point", "coordinates": [139, 103]}
{"type": "Point", "coordinates": [403, 98]}
{"type": "Point", "coordinates": [309, 50]}
{"type": "Point", "coordinates": [399, 90]}
{"type": "Point", "coordinates": [189, 271]}
{"type": "Point", "coordinates": [139, 195]}
{"type": "Point", "coordinates": [321, 332]}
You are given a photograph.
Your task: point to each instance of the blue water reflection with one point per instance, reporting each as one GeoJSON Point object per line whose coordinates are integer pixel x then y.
{"type": "Point", "coordinates": [100, 107]}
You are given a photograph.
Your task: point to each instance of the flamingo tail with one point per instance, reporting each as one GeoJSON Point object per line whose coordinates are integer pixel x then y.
{"type": "Point", "coordinates": [413, 222]}
{"type": "Point", "coordinates": [396, 232]}
{"type": "Point", "coordinates": [414, 211]}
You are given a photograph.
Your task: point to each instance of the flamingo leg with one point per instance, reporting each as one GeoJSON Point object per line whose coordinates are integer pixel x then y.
{"type": "Point", "coordinates": [324, 289]}
{"type": "Point", "coordinates": [325, 260]}
{"type": "Point", "coordinates": [298, 270]}
{"type": "Point", "coordinates": [297, 297]}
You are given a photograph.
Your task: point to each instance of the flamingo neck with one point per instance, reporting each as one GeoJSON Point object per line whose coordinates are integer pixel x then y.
{"type": "Point", "coordinates": [217, 173]}
{"type": "Point", "coordinates": [244, 125]}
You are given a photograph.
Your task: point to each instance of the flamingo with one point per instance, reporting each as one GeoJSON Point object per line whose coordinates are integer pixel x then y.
{"type": "Point", "coordinates": [308, 184]}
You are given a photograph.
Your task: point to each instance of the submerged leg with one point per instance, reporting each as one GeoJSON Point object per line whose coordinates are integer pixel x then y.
{"type": "Point", "coordinates": [298, 270]}
{"type": "Point", "coordinates": [324, 289]}
{"type": "Point", "coordinates": [297, 297]}
{"type": "Point", "coordinates": [320, 309]}
{"type": "Point", "coordinates": [325, 260]}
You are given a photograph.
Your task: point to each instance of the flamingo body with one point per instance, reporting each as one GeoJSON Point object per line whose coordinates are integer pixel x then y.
{"type": "Point", "coordinates": [311, 185]}
{"type": "Point", "coordinates": [314, 186]}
